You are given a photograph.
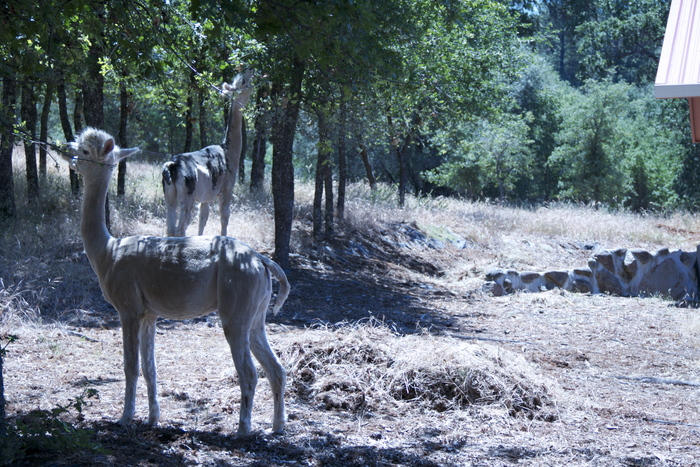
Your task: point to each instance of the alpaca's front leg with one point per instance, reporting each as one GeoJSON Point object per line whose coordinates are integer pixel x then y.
{"type": "Point", "coordinates": [147, 335]}
{"type": "Point", "coordinates": [225, 208]}
{"type": "Point", "coordinates": [130, 340]}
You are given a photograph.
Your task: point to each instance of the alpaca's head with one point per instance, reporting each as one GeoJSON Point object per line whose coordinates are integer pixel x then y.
{"type": "Point", "coordinates": [241, 87]}
{"type": "Point", "coordinates": [95, 150]}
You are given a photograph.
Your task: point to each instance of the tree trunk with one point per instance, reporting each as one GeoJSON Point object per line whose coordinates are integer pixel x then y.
{"type": "Point", "coordinates": [203, 136]}
{"type": "Point", "coordinates": [400, 150]}
{"type": "Point", "coordinates": [257, 170]}
{"type": "Point", "coordinates": [401, 158]}
{"type": "Point", "coordinates": [7, 189]}
{"type": "Point", "coordinates": [189, 128]}
{"type": "Point", "coordinates": [328, 184]}
{"type": "Point", "coordinates": [3, 423]}
{"type": "Point", "coordinates": [93, 106]}
{"type": "Point", "coordinates": [44, 132]}
{"type": "Point", "coordinates": [122, 139]}
{"type": "Point", "coordinates": [342, 159]}
{"type": "Point", "coordinates": [325, 152]}
{"type": "Point", "coordinates": [321, 163]}
{"type": "Point", "coordinates": [365, 161]}
{"type": "Point", "coordinates": [284, 128]}
{"type": "Point", "coordinates": [93, 91]}
{"type": "Point", "coordinates": [78, 111]}
{"type": "Point", "coordinates": [67, 132]}
{"type": "Point", "coordinates": [29, 117]}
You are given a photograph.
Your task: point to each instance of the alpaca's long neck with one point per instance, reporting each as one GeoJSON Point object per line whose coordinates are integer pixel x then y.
{"type": "Point", "coordinates": [233, 141]}
{"type": "Point", "coordinates": [93, 226]}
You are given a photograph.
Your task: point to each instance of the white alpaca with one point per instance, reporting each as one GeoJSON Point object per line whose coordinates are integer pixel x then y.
{"type": "Point", "coordinates": [210, 173]}
{"type": "Point", "coordinates": [177, 278]}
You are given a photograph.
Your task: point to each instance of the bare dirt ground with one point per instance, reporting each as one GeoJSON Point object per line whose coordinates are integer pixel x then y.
{"type": "Point", "coordinates": [606, 381]}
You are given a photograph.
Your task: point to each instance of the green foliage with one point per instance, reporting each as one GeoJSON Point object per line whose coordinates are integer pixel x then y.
{"type": "Point", "coordinates": [503, 152]}
{"type": "Point", "coordinates": [615, 147]}
{"type": "Point", "coordinates": [622, 39]}
{"type": "Point", "coordinates": [539, 93]}
{"type": "Point", "coordinates": [46, 432]}
{"type": "Point", "coordinates": [441, 85]}
{"type": "Point", "coordinates": [587, 143]}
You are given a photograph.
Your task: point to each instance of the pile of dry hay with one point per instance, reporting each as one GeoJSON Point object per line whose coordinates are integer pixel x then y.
{"type": "Point", "coordinates": [367, 368]}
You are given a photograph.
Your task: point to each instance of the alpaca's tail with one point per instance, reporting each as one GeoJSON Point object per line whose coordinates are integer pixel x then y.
{"type": "Point", "coordinates": [278, 273]}
{"type": "Point", "coordinates": [169, 172]}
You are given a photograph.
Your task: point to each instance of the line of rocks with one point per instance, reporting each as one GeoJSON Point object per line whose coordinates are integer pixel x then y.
{"type": "Point", "coordinates": [627, 273]}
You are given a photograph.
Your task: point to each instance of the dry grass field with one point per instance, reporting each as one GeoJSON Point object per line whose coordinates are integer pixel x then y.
{"type": "Point", "coordinates": [394, 356]}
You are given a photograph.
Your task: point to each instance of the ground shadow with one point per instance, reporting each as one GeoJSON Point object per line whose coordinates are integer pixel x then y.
{"type": "Point", "coordinates": [341, 296]}
{"type": "Point", "coordinates": [139, 444]}
{"type": "Point", "coordinates": [325, 296]}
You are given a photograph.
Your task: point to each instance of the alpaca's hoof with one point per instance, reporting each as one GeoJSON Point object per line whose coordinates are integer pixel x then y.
{"type": "Point", "coordinates": [124, 421]}
{"type": "Point", "coordinates": [278, 429]}
{"type": "Point", "coordinates": [152, 421]}
{"type": "Point", "coordinates": [153, 417]}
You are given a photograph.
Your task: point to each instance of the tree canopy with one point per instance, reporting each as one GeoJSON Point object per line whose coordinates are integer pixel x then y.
{"type": "Point", "coordinates": [531, 100]}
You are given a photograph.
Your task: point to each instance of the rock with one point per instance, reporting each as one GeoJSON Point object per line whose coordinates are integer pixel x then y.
{"type": "Point", "coordinates": [494, 274]}
{"type": "Point", "coordinates": [665, 278]}
{"type": "Point", "coordinates": [606, 260]}
{"type": "Point", "coordinates": [688, 259]}
{"type": "Point", "coordinates": [581, 286]}
{"type": "Point", "coordinates": [619, 272]}
{"type": "Point", "coordinates": [507, 286]}
{"type": "Point", "coordinates": [662, 252]}
{"type": "Point", "coordinates": [492, 288]}
{"type": "Point", "coordinates": [629, 267]}
{"type": "Point", "coordinates": [558, 278]}
{"type": "Point", "coordinates": [587, 246]}
{"type": "Point", "coordinates": [608, 283]}
{"type": "Point", "coordinates": [643, 256]}
{"type": "Point", "coordinates": [529, 276]}
{"type": "Point", "coordinates": [621, 252]}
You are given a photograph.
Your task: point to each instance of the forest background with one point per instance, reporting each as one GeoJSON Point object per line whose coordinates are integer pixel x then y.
{"type": "Point", "coordinates": [517, 101]}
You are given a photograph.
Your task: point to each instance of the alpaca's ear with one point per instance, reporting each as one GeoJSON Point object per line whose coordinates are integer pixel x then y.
{"type": "Point", "coordinates": [123, 153]}
{"type": "Point", "coordinates": [108, 147]}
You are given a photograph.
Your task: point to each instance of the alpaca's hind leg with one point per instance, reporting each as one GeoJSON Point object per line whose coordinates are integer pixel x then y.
{"type": "Point", "coordinates": [186, 209]}
{"type": "Point", "coordinates": [148, 366]}
{"type": "Point", "coordinates": [170, 213]}
{"type": "Point", "coordinates": [130, 337]}
{"type": "Point", "coordinates": [276, 374]}
{"type": "Point", "coordinates": [238, 340]}
{"type": "Point", "coordinates": [203, 216]}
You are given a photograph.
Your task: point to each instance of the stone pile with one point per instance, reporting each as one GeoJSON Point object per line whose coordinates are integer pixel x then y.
{"type": "Point", "coordinates": [622, 272]}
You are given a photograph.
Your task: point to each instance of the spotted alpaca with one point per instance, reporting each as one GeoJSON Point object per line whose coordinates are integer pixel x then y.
{"type": "Point", "coordinates": [210, 173]}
